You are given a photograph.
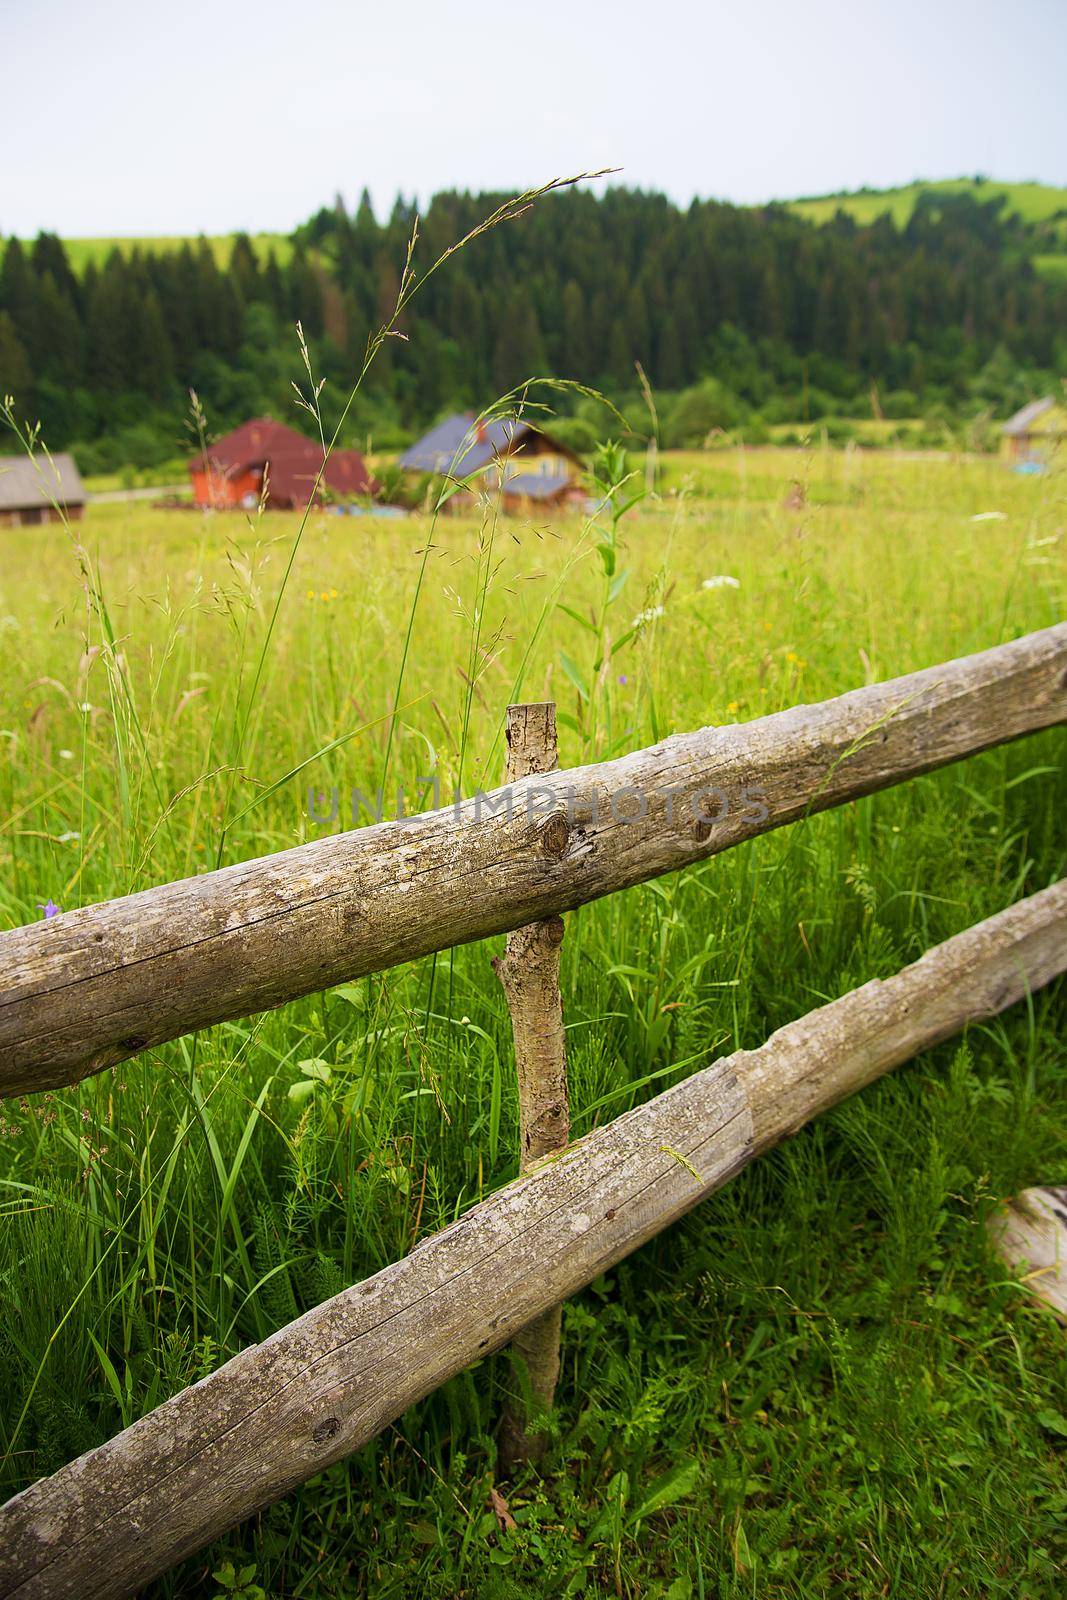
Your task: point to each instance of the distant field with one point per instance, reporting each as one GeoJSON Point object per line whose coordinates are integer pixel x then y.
{"type": "Point", "coordinates": [1052, 266]}
{"type": "Point", "coordinates": [1034, 202]}
{"type": "Point", "coordinates": [83, 251]}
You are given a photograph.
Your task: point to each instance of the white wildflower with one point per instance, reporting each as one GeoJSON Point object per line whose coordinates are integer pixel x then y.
{"type": "Point", "coordinates": [721, 580]}
{"type": "Point", "coordinates": [643, 618]}
{"type": "Point", "coordinates": [66, 755]}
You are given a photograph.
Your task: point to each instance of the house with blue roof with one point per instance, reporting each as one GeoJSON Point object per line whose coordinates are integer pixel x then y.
{"type": "Point", "coordinates": [507, 454]}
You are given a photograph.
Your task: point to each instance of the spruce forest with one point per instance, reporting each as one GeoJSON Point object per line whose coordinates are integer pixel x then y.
{"type": "Point", "coordinates": [742, 318]}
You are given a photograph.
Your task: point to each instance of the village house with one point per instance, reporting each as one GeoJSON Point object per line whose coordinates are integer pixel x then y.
{"type": "Point", "coordinates": [524, 463]}
{"type": "Point", "coordinates": [266, 460]}
{"type": "Point", "coordinates": [1032, 435]}
{"type": "Point", "coordinates": [31, 491]}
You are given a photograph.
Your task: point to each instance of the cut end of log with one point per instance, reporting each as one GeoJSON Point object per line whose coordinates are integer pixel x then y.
{"type": "Point", "coordinates": [531, 737]}
{"type": "Point", "coordinates": [1029, 1232]}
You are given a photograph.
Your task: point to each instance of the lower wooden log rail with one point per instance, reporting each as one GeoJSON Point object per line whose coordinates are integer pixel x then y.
{"type": "Point", "coordinates": [106, 1524]}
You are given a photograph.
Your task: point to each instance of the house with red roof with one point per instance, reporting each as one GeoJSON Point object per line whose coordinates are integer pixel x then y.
{"type": "Point", "coordinates": [265, 460]}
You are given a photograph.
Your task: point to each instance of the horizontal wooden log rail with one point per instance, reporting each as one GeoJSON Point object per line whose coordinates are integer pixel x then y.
{"type": "Point", "coordinates": [94, 986]}
{"type": "Point", "coordinates": [106, 1524]}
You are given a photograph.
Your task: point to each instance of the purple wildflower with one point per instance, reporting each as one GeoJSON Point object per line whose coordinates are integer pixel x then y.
{"type": "Point", "coordinates": [49, 908]}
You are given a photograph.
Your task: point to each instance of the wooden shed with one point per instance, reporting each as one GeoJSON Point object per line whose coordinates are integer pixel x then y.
{"type": "Point", "coordinates": [31, 490]}
{"type": "Point", "coordinates": [1033, 434]}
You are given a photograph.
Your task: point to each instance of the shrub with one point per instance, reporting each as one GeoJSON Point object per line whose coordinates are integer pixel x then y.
{"type": "Point", "coordinates": [899, 404]}
{"type": "Point", "coordinates": [577, 433]}
{"type": "Point", "coordinates": [706, 409]}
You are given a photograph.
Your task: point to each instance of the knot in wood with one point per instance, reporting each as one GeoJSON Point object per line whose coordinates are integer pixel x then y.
{"type": "Point", "coordinates": [326, 1429]}
{"type": "Point", "coordinates": [702, 829]}
{"type": "Point", "coordinates": [555, 834]}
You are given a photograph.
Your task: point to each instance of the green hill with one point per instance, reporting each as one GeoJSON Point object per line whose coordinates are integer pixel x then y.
{"type": "Point", "coordinates": [1040, 204]}
{"type": "Point", "coordinates": [1033, 202]}
{"type": "Point", "coordinates": [742, 316]}
{"type": "Point", "coordinates": [80, 252]}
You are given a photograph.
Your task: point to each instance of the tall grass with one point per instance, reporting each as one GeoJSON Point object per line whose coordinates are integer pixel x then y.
{"type": "Point", "coordinates": [819, 1384]}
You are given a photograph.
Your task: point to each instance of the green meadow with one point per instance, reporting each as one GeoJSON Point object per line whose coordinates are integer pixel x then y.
{"type": "Point", "coordinates": [823, 1382]}
{"type": "Point", "coordinates": [83, 252]}
{"type": "Point", "coordinates": [1032, 202]}
{"type": "Point", "coordinates": [1041, 205]}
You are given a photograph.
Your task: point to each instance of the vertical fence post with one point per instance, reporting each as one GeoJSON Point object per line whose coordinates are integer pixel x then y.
{"type": "Point", "coordinates": [529, 972]}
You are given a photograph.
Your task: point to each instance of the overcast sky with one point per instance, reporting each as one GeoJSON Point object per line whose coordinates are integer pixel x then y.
{"type": "Point", "coordinates": [126, 118]}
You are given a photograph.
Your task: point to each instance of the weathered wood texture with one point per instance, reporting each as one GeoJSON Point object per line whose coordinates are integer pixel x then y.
{"type": "Point", "coordinates": [89, 988]}
{"type": "Point", "coordinates": [1030, 1232]}
{"type": "Point", "coordinates": [107, 1523]}
{"type": "Point", "coordinates": [529, 970]}
{"type": "Point", "coordinates": [529, 973]}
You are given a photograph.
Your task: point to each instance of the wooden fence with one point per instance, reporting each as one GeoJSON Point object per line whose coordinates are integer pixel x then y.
{"type": "Point", "coordinates": [96, 985]}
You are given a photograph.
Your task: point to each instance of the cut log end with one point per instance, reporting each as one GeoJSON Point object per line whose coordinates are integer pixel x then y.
{"type": "Point", "coordinates": [1029, 1232]}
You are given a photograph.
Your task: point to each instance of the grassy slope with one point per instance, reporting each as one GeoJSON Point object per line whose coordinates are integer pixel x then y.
{"type": "Point", "coordinates": [821, 1383]}
{"type": "Point", "coordinates": [83, 251]}
{"type": "Point", "coordinates": [1034, 202]}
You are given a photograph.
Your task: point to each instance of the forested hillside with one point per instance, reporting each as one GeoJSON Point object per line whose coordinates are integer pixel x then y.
{"type": "Point", "coordinates": [741, 317]}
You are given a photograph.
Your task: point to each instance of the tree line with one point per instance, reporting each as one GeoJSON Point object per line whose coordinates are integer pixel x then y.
{"type": "Point", "coordinates": [737, 315]}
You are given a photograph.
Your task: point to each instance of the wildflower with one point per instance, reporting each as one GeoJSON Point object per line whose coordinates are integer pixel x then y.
{"type": "Point", "coordinates": [66, 755]}
{"type": "Point", "coordinates": [734, 705]}
{"type": "Point", "coordinates": [650, 614]}
{"type": "Point", "coordinates": [311, 594]}
{"type": "Point", "coordinates": [721, 580]}
{"type": "Point", "coordinates": [623, 678]}
{"type": "Point", "coordinates": [67, 838]}
{"type": "Point", "coordinates": [49, 908]}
